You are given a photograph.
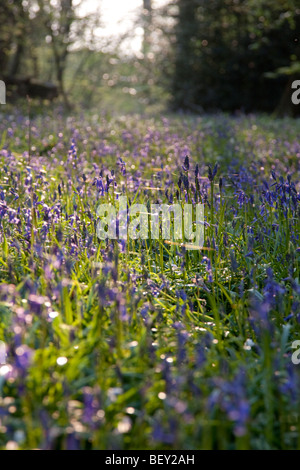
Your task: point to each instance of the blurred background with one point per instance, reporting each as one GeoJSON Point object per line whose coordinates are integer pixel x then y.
{"type": "Point", "coordinates": [136, 56]}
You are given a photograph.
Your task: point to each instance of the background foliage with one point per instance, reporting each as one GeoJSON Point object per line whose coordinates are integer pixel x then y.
{"type": "Point", "coordinates": [196, 55]}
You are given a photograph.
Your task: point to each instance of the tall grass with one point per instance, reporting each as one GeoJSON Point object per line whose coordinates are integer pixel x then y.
{"type": "Point", "coordinates": [147, 344]}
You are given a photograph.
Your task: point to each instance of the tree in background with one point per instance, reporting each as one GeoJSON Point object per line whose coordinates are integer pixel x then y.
{"type": "Point", "coordinates": [14, 20]}
{"type": "Point", "coordinates": [147, 24]}
{"type": "Point", "coordinates": [226, 49]}
{"type": "Point", "coordinates": [58, 18]}
{"type": "Point", "coordinates": [36, 39]}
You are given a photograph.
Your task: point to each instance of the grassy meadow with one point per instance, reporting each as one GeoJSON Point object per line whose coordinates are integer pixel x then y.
{"type": "Point", "coordinates": [148, 344]}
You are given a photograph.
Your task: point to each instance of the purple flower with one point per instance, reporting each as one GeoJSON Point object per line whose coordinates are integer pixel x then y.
{"type": "Point", "coordinates": [36, 303]}
{"type": "Point", "coordinates": [23, 358]}
{"type": "Point", "coordinates": [186, 165]}
{"type": "Point", "coordinates": [90, 406]}
{"type": "Point", "coordinates": [212, 173]}
{"type": "Point", "coordinates": [231, 398]}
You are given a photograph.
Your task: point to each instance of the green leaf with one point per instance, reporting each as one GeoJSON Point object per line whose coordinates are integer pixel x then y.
{"type": "Point", "coordinates": [67, 306]}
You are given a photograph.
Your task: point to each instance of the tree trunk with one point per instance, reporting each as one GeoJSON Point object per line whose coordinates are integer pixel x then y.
{"type": "Point", "coordinates": [147, 22]}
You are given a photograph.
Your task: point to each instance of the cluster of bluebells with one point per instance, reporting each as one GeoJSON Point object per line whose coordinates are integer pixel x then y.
{"type": "Point", "coordinates": [231, 398]}
{"type": "Point", "coordinates": [114, 342]}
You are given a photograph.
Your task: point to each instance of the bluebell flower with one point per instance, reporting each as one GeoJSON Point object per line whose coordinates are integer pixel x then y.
{"type": "Point", "coordinates": [186, 165]}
